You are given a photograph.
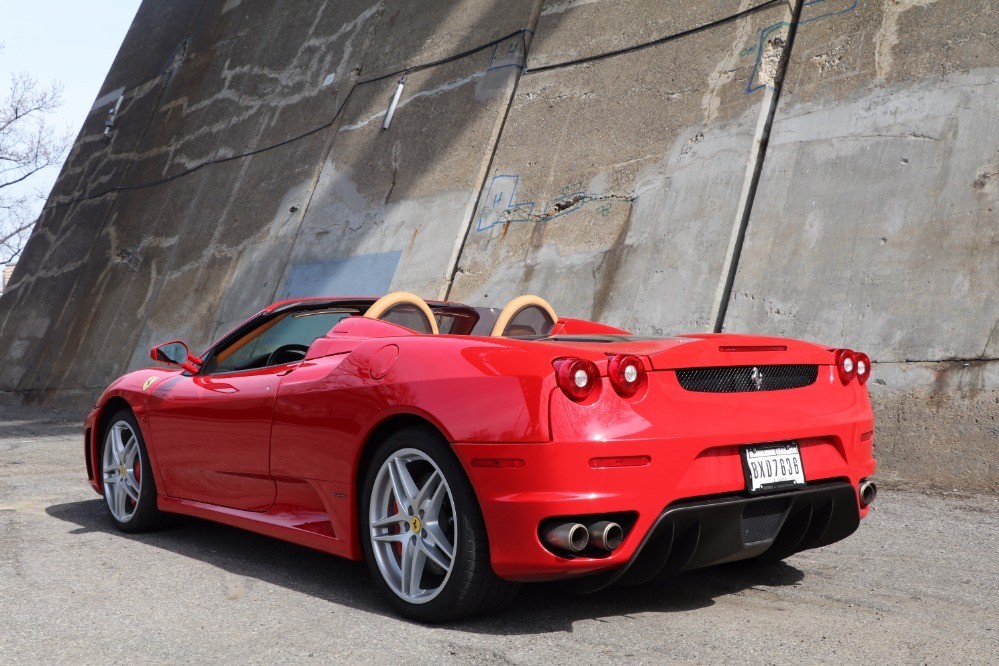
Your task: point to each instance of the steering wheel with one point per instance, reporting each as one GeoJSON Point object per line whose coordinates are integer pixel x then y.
{"type": "Point", "coordinates": [382, 306]}
{"type": "Point", "coordinates": [287, 354]}
{"type": "Point", "coordinates": [515, 307]}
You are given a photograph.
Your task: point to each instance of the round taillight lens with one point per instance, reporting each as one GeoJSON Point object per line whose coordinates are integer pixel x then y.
{"type": "Point", "coordinates": [626, 374]}
{"type": "Point", "coordinates": [846, 363]}
{"type": "Point", "coordinates": [863, 367]}
{"type": "Point", "coordinates": [577, 377]}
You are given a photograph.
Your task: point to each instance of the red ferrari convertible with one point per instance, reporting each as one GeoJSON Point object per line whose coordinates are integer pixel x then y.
{"type": "Point", "coordinates": [461, 451]}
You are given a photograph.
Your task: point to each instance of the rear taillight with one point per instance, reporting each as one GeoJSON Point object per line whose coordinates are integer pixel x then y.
{"type": "Point", "coordinates": [850, 364]}
{"type": "Point", "coordinates": [846, 363]}
{"type": "Point", "coordinates": [863, 367]}
{"type": "Point", "coordinates": [627, 374]}
{"type": "Point", "coordinates": [577, 377]}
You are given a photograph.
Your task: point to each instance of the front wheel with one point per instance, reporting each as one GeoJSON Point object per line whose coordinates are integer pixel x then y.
{"type": "Point", "coordinates": [127, 476]}
{"type": "Point", "coordinates": [423, 534]}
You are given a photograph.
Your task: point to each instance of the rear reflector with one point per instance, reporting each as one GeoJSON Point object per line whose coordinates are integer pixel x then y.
{"type": "Point", "coordinates": [867, 436]}
{"type": "Point", "coordinates": [752, 348]}
{"type": "Point", "coordinates": [497, 462]}
{"type": "Point", "coordinates": [621, 461]}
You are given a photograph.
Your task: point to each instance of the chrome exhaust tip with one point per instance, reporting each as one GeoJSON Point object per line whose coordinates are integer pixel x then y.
{"type": "Point", "coordinates": [868, 491]}
{"type": "Point", "coordinates": [571, 537]}
{"type": "Point", "coordinates": [606, 535]}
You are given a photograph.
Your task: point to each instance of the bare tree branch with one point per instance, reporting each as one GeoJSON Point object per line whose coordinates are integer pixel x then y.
{"type": "Point", "coordinates": [28, 145]}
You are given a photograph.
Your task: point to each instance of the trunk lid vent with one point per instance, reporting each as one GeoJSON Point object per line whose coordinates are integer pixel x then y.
{"type": "Point", "coordinates": [747, 378]}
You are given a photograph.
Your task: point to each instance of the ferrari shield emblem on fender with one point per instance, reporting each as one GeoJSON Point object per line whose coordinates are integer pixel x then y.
{"type": "Point", "coordinates": [149, 382]}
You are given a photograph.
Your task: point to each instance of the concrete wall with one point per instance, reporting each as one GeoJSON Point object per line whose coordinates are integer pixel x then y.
{"type": "Point", "coordinates": [637, 162]}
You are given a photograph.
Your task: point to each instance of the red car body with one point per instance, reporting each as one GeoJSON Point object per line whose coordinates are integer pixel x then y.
{"type": "Point", "coordinates": [281, 450]}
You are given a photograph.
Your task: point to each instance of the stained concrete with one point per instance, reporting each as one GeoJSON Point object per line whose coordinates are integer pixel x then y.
{"type": "Point", "coordinates": [248, 162]}
{"type": "Point", "coordinates": [876, 223]}
{"type": "Point", "coordinates": [602, 181]}
{"type": "Point", "coordinates": [614, 25]}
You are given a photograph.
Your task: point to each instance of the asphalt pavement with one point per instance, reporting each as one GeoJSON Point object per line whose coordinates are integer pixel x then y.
{"type": "Point", "coordinates": [917, 583]}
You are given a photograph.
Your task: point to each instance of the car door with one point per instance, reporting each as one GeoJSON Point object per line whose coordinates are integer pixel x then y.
{"type": "Point", "coordinates": [213, 437]}
{"type": "Point", "coordinates": [212, 430]}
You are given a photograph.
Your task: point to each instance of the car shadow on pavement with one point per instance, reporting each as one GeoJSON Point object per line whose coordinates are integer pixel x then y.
{"type": "Point", "coordinates": [241, 553]}
{"type": "Point", "coordinates": [550, 607]}
{"type": "Point", "coordinates": [539, 608]}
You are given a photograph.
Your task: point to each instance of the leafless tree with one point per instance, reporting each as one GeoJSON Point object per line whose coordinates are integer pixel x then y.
{"type": "Point", "coordinates": [28, 144]}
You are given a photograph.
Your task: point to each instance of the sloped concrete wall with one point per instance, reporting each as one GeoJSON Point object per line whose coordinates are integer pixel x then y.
{"type": "Point", "coordinates": [823, 169]}
{"type": "Point", "coordinates": [876, 224]}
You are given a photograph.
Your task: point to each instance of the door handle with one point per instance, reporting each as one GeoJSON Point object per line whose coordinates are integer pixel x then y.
{"type": "Point", "coordinates": [283, 372]}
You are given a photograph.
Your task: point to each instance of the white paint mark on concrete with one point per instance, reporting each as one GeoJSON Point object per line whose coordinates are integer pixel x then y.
{"type": "Point", "coordinates": [444, 87]}
{"type": "Point", "coordinates": [329, 79]}
{"type": "Point", "coordinates": [230, 4]}
{"type": "Point", "coordinates": [104, 101]}
{"type": "Point", "coordinates": [887, 37]}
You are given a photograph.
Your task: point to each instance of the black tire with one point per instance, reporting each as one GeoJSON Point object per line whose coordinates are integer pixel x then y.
{"type": "Point", "coordinates": [143, 514]}
{"type": "Point", "coordinates": [471, 587]}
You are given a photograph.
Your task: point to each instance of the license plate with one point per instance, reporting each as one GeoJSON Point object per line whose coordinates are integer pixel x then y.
{"type": "Point", "coordinates": [773, 467]}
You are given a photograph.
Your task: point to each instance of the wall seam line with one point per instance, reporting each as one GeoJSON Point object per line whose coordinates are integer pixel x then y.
{"type": "Point", "coordinates": [754, 170]}
{"type": "Point", "coordinates": [462, 238]}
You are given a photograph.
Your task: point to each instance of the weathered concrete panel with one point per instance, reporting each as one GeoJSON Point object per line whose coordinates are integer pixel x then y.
{"type": "Point", "coordinates": [880, 186]}
{"type": "Point", "coordinates": [875, 223]}
{"type": "Point", "coordinates": [229, 249]}
{"type": "Point", "coordinates": [414, 33]}
{"type": "Point", "coordinates": [411, 188]}
{"type": "Point", "coordinates": [612, 25]}
{"type": "Point", "coordinates": [152, 47]}
{"type": "Point", "coordinates": [615, 195]}
{"type": "Point", "coordinates": [938, 424]}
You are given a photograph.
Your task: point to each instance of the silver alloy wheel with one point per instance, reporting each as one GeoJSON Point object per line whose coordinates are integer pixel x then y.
{"type": "Point", "coordinates": [413, 526]}
{"type": "Point", "coordinates": [122, 471]}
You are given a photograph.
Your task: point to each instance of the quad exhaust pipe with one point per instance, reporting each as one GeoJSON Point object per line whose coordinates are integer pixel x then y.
{"type": "Point", "coordinates": [606, 535]}
{"type": "Point", "coordinates": [571, 537]}
{"type": "Point", "coordinates": [574, 537]}
{"type": "Point", "coordinates": [868, 491]}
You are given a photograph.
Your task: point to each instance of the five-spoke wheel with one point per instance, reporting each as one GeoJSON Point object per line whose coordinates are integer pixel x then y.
{"type": "Point", "coordinates": [412, 527]}
{"type": "Point", "coordinates": [423, 533]}
{"type": "Point", "coordinates": [129, 488]}
{"type": "Point", "coordinates": [122, 471]}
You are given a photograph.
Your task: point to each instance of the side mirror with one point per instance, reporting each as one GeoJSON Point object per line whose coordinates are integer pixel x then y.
{"type": "Point", "coordinates": [175, 353]}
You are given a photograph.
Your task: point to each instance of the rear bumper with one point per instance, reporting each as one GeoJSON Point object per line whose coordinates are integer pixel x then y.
{"type": "Point", "coordinates": [561, 479]}
{"type": "Point", "coordinates": [699, 533]}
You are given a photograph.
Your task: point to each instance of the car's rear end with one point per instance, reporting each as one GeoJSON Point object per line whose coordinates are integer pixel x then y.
{"type": "Point", "coordinates": [702, 449]}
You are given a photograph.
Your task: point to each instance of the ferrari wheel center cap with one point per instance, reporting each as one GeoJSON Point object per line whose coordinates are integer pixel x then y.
{"type": "Point", "coordinates": [415, 524]}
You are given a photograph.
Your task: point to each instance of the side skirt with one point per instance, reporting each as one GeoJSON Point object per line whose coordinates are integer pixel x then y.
{"type": "Point", "coordinates": [286, 522]}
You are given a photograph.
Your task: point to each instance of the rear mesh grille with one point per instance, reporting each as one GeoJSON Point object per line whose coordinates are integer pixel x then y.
{"type": "Point", "coordinates": [739, 379]}
{"type": "Point", "coordinates": [761, 521]}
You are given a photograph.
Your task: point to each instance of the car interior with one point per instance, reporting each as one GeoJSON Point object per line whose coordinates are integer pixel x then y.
{"type": "Point", "coordinates": [285, 337]}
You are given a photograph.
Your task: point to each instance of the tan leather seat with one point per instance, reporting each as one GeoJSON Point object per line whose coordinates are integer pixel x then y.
{"type": "Point", "coordinates": [384, 306]}
{"type": "Point", "coordinates": [507, 324]}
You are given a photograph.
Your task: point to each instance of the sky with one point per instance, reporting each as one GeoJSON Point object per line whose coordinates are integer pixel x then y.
{"type": "Point", "coordinates": [71, 42]}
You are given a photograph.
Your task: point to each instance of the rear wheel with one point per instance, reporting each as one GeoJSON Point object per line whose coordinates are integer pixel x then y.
{"type": "Point", "coordinates": [126, 475]}
{"type": "Point", "coordinates": [423, 534]}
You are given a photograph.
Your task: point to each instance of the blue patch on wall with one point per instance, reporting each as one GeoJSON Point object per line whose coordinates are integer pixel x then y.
{"type": "Point", "coordinates": [363, 275]}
